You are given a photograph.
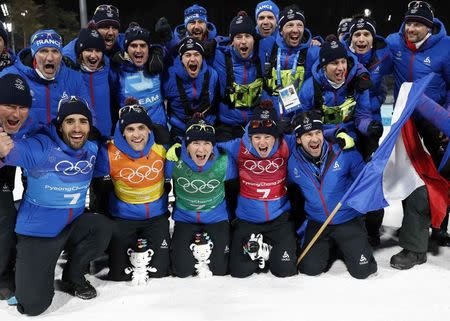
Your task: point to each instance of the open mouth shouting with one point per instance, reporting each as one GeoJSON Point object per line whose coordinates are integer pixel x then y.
{"type": "Point", "coordinates": [193, 68]}
{"type": "Point", "coordinates": [77, 139]}
{"type": "Point", "coordinates": [109, 41]}
{"type": "Point", "coordinates": [294, 39]}
{"type": "Point", "coordinates": [197, 33]}
{"type": "Point", "coordinates": [263, 151]}
{"type": "Point", "coordinates": [339, 76]}
{"type": "Point", "coordinates": [244, 51]}
{"type": "Point", "coordinates": [49, 68]}
{"type": "Point", "coordinates": [361, 48]}
{"type": "Point", "coordinates": [314, 148]}
{"type": "Point", "coordinates": [138, 58]}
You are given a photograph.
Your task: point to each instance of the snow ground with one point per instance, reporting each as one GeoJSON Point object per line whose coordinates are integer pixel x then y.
{"type": "Point", "coordinates": [418, 294]}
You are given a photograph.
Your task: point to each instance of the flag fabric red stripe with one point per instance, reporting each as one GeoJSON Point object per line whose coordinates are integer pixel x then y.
{"type": "Point", "coordinates": [437, 186]}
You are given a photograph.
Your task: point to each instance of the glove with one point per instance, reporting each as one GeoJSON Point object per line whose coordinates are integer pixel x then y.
{"type": "Point", "coordinates": [163, 30]}
{"type": "Point", "coordinates": [285, 126]}
{"type": "Point", "coordinates": [174, 152]}
{"type": "Point", "coordinates": [155, 60]}
{"type": "Point", "coordinates": [210, 48]}
{"type": "Point", "coordinates": [375, 129]}
{"type": "Point", "coordinates": [162, 136]}
{"type": "Point", "coordinates": [94, 134]}
{"type": "Point", "coordinates": [344, 140]}
{"type": "Point", "coordinates": [363, 82]}
{"type": "Point", "coordinates": [118, 58]}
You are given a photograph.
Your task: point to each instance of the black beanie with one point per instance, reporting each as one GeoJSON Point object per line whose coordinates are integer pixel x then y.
{"type": "Point", "coordinates": [136, 32]}
{"type": "Point", "coordinates": [331, 50]}
{"type": "Point", "coordinates": [344, 25]}
{"type": "Point", "coordinates": [361, 23]}
{"type": "Point", "coordinates": [190, 43]}
{"type": "Point", "coordinates": [105, 16]}
{"type": "Point", "coordinates": [3, 34]}
{"type": "Point", "coordinates": [89, 38]}
{"type": "Point", "coordinates": [133, 114]}
{"type": "Point", "coordinates": [242, 23]}
{"type": "Point", "coordinates": [70, 106]}
{"type": "Point", "coordinates": [199, 129]}
{"type": "Point", "coordinates": [420, 11]}
{"type": "Point", "coordinates": [264, 120]}
{"type": "Point", "coordinates": [290, 13]}
{"type": "Point", "coordinates": [14, 90]}
{"type": "Point", "coordinates": [306, 121]}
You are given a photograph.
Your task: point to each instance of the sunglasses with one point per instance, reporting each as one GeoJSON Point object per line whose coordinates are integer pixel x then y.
{"type": "Point", "coordinates": [267, 123]}
{"type": "Point", "coordinates": [106, 7]}
{"type": "Point", "coordinates": [417, 4]}
{"type": "Point", "coordinates": [72, 99]}
{"type": "Point", "coordinates": [197, 127]}
{"type": "Point", "coordinates": [127, 109]}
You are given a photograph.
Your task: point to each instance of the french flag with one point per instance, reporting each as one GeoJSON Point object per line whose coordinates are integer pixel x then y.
{"type": "Point", "coordinates": [401, 164]}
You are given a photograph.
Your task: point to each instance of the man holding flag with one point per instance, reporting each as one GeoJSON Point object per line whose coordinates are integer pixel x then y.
{"type": "Point", "coordinates": [324, 172]}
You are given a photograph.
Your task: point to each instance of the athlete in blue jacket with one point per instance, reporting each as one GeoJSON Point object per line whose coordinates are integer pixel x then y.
{"type": "Point", "coordinates": [332, 91]}
{"type": "Point", "coordinates": [130, 77]}
{"type": "Point", "coordinates": [138, 204]}
{"type": "Point", "coordinates": [191, 88]}
{"type": "Point", "coordinates": [7, 56]}
{"type": "Point", "coordinates": [48, 76]}
{"type": "Point", "coordinates": [240, 75]}
{"type": "Point", "coordinates": [15, 102]}
{"type": "Point", "coordinates": [262, 225]}
{"type": "Point", "coordinates": [59, 165]}
{"type": "Point", "coordinates": [420, 47]}
{"type": "Point", "coordinates": [373, 53]}
{"type": "Point", "coordinates": [198, 177]}
{"type": "Point", "coordinates": [287, 58]}
{"type": "Point", "coordinates": [324, 173]}
{"type": "Point", "coordinates": [266, 16]}
{"type": "Point", "coordinates": [88, 56]}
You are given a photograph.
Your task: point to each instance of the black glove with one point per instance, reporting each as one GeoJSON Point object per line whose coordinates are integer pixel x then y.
{"type": "Point", "coordinates": [163, 30]}
{"type": "Point", "coordinates": [375, 129]}
{"type": "Point", "coordinates": [94, 134]}
{"type": "Point", "coordinates": [363, 82]}
{"type": "Point", "coordinates": [210, 48]}
{"type": "Point", "coordinates": [117, 58]}
{"type": "Point", "coordinates": [285, 126]}
{"type": "Point", "coordinates": [161, 134]}
{"type": "Point", "coordinates": [155, 60]}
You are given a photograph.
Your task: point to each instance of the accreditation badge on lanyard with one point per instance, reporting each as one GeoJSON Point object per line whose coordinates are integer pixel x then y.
{"type": "Point", "coordinates": [289, 101]}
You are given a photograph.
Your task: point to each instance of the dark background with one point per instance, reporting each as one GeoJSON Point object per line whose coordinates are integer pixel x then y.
{"type": "Point", "coordinates": [322, 16]}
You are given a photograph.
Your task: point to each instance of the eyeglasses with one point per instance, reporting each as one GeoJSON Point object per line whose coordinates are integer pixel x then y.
{"type": "Point", "coordinates": [106, 7]}
{"type": "Point", "coordinates": [267, 123]}
{"type": "Point", "coordinates": [197, 127]}
{"type": "Point", "coordinates": [127, 109]}
{"type": "Point", "coordinates": [417, 4]}
{"type": "Point", "coordinates": [72, 99]}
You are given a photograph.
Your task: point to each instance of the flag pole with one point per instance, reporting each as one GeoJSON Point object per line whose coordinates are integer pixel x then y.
{"type": "Point", "coordinates": [319, 232]}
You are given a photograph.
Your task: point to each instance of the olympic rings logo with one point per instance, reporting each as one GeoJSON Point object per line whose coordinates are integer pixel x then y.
{"type": "Point", "coordinates": [198, 185]}
{"type": "Point", "coordinates": [148, 173]}
{"type": "Point", "coordinates": [264, 166]}
{"type": "Point", "coordinates": [80, 167]}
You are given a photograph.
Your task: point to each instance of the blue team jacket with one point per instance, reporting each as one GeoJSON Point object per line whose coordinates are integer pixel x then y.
{"type": "Point", "coordinates": [58, 180]}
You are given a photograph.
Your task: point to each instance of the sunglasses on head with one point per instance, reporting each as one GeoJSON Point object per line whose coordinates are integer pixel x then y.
{"type": "Point", "coordinates": [197, 127]}
{"type": "Point", "coordinates": [107, 7]}
{"type": "Point", "coordinates": [127, 109]}
{"type": "Point", "coordinates": [267, 123]}
{"type": "Point", "coordinates": [417, 4]}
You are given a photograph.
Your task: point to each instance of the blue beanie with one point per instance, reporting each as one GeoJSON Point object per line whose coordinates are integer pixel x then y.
{"type": "Point", "coordinates": [267, 6]}
{"type": "Point", "coordinates": [45, 38]}
{"type": "Point", "coordinates": [195, 12]}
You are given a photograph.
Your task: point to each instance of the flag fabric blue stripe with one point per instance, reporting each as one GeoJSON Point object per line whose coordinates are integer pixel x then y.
{"type": "Point", "coordinates": [366, 192]}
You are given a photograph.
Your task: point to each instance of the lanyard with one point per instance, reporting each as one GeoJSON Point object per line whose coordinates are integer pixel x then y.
{"type": "Point", "coordinates": [293, 70]}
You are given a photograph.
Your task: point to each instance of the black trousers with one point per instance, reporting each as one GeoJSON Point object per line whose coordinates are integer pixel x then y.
{"type": "Point", "coordinates": [84, 240]}
{"type": "Point", "coordinates": [183, 236]}
{"type": "Point", "coordinates": [279, 233]}
{"type": "Point", "coordinates": [348, 240]}
{"type": "Point", "coordinates": [416, 221]}
{"type": "Point", "coordinates": [125, 234]}
{"type": "Point", "coordinates": [8, 216]}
